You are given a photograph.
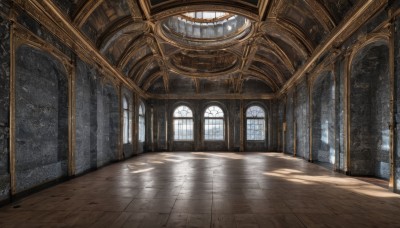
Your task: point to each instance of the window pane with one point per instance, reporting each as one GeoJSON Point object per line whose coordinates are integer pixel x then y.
{"type": "Point", "coordinates": [183, 129]}
{"type": "Point", "coordinates": [183, 111]}
{"type": "Point", "coordinates": [125, 103]}
{"type": "Point", "coordinates": [255, 129]}
{"type": "Point", "coordinates": [130, 128]}
{"type": "Point", "coordinates": [142, 124]}
{"type": "Point", "coordinates": [255, 112]}
{"type": "Point", "coordinates": [126, 126]}
{"type": "Point", "coordinates": [141, 109]}
{"type": "Point", "coordinates": [141, 129]}
{"type": "Point", "coordinates": [213, 129]}
{"type": "Point", "coordinates": [214, 111]}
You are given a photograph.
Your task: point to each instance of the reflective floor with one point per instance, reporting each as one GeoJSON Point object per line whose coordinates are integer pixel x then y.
{"type": "Point", "coordinates": [208, 190]}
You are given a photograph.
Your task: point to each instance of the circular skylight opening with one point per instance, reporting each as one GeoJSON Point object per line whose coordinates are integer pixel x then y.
{"type": "Point", "coordinates": [206, 28]}
{"type": "Point", "coordinates": [206, 16]}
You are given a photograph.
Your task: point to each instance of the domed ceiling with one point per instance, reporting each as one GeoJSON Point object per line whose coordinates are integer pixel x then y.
{"type": "Point", "coordinates": [231, 47]}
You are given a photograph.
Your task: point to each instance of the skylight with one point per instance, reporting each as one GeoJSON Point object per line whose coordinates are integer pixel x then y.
{"type": "Point", "coordinates": [207, 15]}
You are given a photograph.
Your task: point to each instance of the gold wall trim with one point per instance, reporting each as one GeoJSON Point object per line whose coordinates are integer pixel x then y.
{"type": "Point", "coordinates": [20, 36]}
{"type": "Point", "coordinates": [71, 120]}
{"type": "Point", "coordinates": [310, 119]}
{"type": "Point", "coordinates": [392, 132]}
{"type": "Point", "coordinates": [13, 186]}
{"type": "Point", "coordinates": [346, 122]}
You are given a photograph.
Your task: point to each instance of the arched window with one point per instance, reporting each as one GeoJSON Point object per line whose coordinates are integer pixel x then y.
{"type": "Point", "coordinates": [255, 123]}
{"type": "Point", "coordinates": [127, 128]}
{"type": "Point", "coordinates": [183, 124]}
{"type": "Point", "coordinates": [142, 126]}
{"type": "Point", "coordinates": [214, 124]}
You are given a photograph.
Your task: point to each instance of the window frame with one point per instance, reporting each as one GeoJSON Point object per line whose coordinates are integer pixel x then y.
{"type": "Point", "coordinates": [215, 118]}
{"type": "Point", "coordinates": [127, 121]}
{"type": "Point", "coordinates": [141, 116]}
{"type": "Point", "coordinates": [256, 118]}
{"type": "Point", "coordinates": [182, 118]}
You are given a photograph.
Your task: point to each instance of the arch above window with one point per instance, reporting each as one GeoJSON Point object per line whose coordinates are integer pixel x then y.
{"type": "Point", "coordinates": [183, 111]}
{"type": "Point", "coordinates": [141, 109]}
{"type": "Point", "coordinates": [125, 103]}
{"type": "Point", "coordinates": [214, 111]}
{"type": "Point", "coordinates": [255, 112]}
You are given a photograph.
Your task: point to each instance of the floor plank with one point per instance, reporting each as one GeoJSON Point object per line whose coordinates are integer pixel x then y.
{"type": "Point", "coordinates": [209, 190]}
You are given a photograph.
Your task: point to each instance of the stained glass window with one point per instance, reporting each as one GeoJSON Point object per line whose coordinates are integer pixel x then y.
{"type": "Point", "coordinates": [183, 124]}
{"type": "Point", "coordinates": [214, 124]}
{"type": "Point", "coordinates": [255, 123]}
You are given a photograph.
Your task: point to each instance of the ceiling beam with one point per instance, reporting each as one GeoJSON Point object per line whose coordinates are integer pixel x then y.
{"type": "Point", "coordinates": [321, 14]}
{"type": "Point", "coordinates": [132, 48]}
{"type": "Point", "coordinates": [151, 79]}
{"type": "Point", "coordinates": [278, 52]}
{"type": "Point", "coordinates": [271, 66]}
{"type": "Point", "coordinates": [85, 11]}
{"type": "Point", "coordinates": [300, 35]}
{"type": "Point", "coordinates": [276, 29]}
{"type": "Point", "coordinates": [258, 73]}
{"type": "Point", "coordinates": [137, 76]}
{"type": "Point", "coordinates": [138, 64]}
{"type": "Point", "coordinates": [274, 8]}
{"type": "Point", "coordinates": [134, 8]}
{"type": "Point", "coordinates": [117, 27]}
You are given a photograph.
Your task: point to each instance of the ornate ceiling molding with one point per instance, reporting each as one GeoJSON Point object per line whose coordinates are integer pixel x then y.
{"type": "Point", "coordinates": [173, 7]}
{"type": "Point", "coordinates": [258, 73]}
{"type": "Point", "coordinates": [265, 96]}
{"type": "Point", "coordinates": [151, 79]}
{"type": "Point", "coordinates": [363, 11]}
{"type": "Point", "coordinates": [85, 11]}
{"type": "Point", "coordinates": [274, 28]}
{"type": "Point", "coordinates": [138, 43]}
{"type": "Point", "coordinates": [273, 68]}
{"type": "Point", "coordinates": [55, 21]}
{"type": "Point", "coordinates": [139, 64]}
{"type": "Point", "coordinates": [300, 35]}
{"type": "Point", "coordinates": [277, 39]}
{"type": "Point", "coordinates": [278, 52]}
{"type": "Point", "coordinates": [117, 27]}
{"type": "Point", "coordinates": [321, 14]}
{"type": "Point", "coordinates": [138, 77]}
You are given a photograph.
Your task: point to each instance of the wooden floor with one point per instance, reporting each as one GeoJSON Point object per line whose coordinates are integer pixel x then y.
{"type": "Point", "coordinates": [208, 190]}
